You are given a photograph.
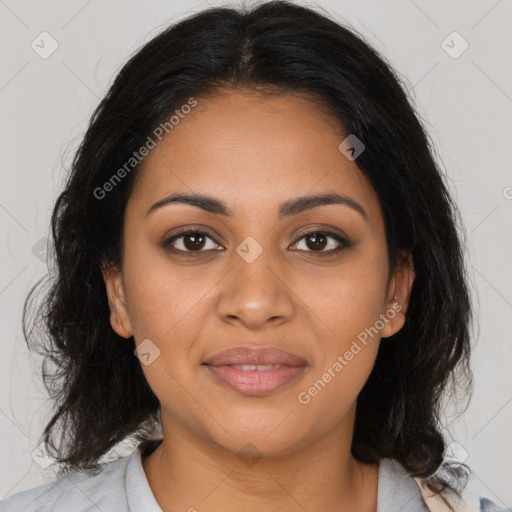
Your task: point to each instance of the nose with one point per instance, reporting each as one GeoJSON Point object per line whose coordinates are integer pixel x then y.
{"type": "Point", "coordinates": [256, 294]}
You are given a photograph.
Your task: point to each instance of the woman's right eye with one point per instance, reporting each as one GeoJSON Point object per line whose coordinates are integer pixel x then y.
{"type": "Point", "coordinates": [190, 241]}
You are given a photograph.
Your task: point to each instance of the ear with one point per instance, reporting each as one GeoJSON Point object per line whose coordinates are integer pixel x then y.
{"type": "Point", "coordinates": [400, 285]}
{"type": "Point", "coordinates": [119, 318]}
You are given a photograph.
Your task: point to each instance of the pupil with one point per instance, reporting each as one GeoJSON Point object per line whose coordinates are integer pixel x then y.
{"type": "Point", "coordinates": [197, 241]}
{"type": "Point", "coordinates": [319, 241]}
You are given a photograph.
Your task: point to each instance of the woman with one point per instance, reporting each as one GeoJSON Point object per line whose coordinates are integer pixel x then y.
{"type": "Point", "coordinates": [256, 214]}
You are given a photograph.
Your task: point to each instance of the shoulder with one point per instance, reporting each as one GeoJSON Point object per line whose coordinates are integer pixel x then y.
{"type": "Point", "coordinates": [396, 484]}
{"type": "Point", "coordinates": [487, 505]}
{"type": "Point", "coordinates": [99, 489]}
{"type": "Point", "coordinates": [397, 489]}
{"type": "Point", "coordinates": [470, 500]}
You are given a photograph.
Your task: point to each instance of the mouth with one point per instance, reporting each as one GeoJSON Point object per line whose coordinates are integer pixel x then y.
{"type": "Point", "coordinates": [255, 380]}
{"type": "Point", "coordinates": [255, 371]}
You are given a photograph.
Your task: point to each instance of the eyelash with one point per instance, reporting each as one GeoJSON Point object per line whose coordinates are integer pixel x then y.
{"type": "Point", "coordinates": [166, 244]}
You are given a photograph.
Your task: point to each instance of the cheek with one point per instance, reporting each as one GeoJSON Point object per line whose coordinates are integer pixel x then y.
{"type": "Point", "coordinates": [348, 298]}
{"type": "Point", "coordinates": [167, 307]}
{"type": "Point", "coordinates": [159, 297]}
{"type": "Point", "coordinates": [331, 393]}
{"type": "Point", "coordinates": [347, 308]}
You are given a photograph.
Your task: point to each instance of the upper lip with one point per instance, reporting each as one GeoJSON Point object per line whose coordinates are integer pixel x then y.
{"type": "Point", "coordinates": [260, 355]}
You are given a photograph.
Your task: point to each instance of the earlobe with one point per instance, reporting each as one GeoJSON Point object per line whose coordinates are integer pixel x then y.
{"type": "Point", "coordinates": [399, 293]}
{"type": "Point", "coordinates": [119, 318]}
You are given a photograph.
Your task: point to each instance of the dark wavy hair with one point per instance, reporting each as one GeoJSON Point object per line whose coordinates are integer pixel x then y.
{"type": "Point", "coordinates": [100, 393]}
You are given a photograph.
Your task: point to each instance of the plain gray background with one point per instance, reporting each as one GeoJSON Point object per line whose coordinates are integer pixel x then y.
{"type": "Point", "coordinates": [465, 101]}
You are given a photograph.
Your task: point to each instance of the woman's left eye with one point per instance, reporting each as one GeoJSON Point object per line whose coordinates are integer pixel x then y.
{"type": "Point", "coordinates": [318, 241]}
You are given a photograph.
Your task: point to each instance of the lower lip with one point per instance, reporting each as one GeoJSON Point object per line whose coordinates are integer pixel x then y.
{"type": "Point", "coordinates": [256, 382]}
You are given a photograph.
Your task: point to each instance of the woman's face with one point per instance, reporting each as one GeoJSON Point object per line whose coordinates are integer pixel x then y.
{"type": "Point", "coordinates": [251, 278]}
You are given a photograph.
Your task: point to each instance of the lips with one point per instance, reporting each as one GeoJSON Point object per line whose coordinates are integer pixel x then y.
{"type": "Point", "coordinates": [255, 356]}
{"type": "Point", "coordinates": [255, 371]}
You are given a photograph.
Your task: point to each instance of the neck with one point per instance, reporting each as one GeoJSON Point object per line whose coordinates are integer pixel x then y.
{"type": "Point", "coordinates": [190, 472]}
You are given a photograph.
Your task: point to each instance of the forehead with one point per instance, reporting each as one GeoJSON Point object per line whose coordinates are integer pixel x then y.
{"type": "Point", "coordinates": [252, 150]}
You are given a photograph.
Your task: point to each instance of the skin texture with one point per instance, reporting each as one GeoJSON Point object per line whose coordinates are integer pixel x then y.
{"type": "Point", "coordinates": [254, 152]}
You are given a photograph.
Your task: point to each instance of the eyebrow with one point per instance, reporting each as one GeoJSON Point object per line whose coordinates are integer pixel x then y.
{"type": "Point", "coordinates": [286, 209]}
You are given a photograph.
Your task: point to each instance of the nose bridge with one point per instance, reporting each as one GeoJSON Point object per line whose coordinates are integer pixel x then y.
{"type": "Point", "coordinates": [255, 292]}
